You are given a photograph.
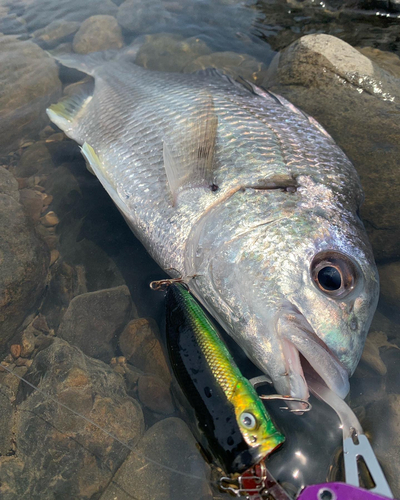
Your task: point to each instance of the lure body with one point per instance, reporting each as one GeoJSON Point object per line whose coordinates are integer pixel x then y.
{"type": "Point", "coordinates": [229, 412]}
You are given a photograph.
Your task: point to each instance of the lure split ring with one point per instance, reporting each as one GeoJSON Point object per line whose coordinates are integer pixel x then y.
{"type": "Point", "coordinates": [289, 398]}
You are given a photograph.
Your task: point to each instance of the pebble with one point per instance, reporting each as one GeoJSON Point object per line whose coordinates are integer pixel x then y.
{"type": "Point", "coordinates": [98, 33]}
{"type": "Point", "coordinates": [54, 255]}
{"type": "Point", "coordinates": [15, 350]}
{"type": "Point", "coordinates": [140, 345]}
{"type": "Point", "coordinates": [50, 219]}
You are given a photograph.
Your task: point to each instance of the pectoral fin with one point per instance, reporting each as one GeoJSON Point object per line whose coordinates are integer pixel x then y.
{"type": "Point", "coordinates": [98, 168]}
{"type": "Point", "coordinates": [188, 149]}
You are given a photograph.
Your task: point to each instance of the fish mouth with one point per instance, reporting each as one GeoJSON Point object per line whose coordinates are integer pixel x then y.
{"type": "Point", "coordinates": [307, 356]}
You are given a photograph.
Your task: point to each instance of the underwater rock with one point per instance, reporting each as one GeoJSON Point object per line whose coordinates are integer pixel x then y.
{"type": "Point", "coordinates": [32, 201]}
{"type": "Point", "coordinates": [93, 320]}
{"type": "Point", "coordinates": [143, 17]}
{"type": "Point", "coordinates": [155, 395]}
{"type": "Point", "coordinates": [170, 443]}
{"type": "Point", "coordinates": [386, 60]}
{"type": "Point", "coordinates": [6, 420]}
{"type": "Point", "coordinates": [98, 33]}
{"type": "Point", "coordinates": [169, 52]}
{"type": "Point", "coordinates": [389, 275]}
{"type": "Point", "coordinates": [12, 25]}
{"type": "Point", "coordinates": [55, 33]}
{"type": "Point", "coordinates": [371, 357]}
{"type": "Point", "coordinates": [140, 345]}
{"type": "Point", "coordinates": [64, 455]}
{"type": "Point", "coordinates": [232, 64]}
{"type": "Point", "coordinates": [23, 267]}
{"type": "Point", "coordinates": [41, 13]}
{"type": "Point", "coordinates": [36, 159]}
{"type": "Point", "coordinates": [358, 103]}
{"type": "Point", "coordinates": [29, 83]}
{"type": "Point", "coordinates": [8, 184]}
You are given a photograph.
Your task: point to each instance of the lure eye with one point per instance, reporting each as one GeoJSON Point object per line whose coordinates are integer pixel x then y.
{"type": "Point", "coordinates": [334, 273]}
{"type": "Point", "coordinates": [248, 420]}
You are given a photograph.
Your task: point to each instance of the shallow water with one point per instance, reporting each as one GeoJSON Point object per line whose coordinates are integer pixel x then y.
{"type": "Point", "coordinates": [47, 452]}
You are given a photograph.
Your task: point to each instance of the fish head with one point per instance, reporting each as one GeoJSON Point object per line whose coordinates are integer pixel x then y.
{"type": "Point", "coordinates": [298, 292]}
{"type": "Point", "coordinates": [255, 425]}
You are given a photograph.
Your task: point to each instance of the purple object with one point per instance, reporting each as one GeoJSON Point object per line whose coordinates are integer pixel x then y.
{"type": "Point", "coordinates": [337, 491]}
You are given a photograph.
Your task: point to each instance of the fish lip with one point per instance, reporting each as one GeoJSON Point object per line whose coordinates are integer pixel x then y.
{"type": "Point", "coordinates": [325, 364]}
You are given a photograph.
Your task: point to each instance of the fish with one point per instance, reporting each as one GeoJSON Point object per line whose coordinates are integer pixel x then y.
{"type": "Point", "coordinates": [229, 412]}
{"type": "Point", "coordinates": [234, 186]}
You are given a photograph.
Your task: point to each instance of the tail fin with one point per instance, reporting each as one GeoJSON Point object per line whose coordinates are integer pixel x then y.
{"type": "Point", "coordinates": [87, 63]}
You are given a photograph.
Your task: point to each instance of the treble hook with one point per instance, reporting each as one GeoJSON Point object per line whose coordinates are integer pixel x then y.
{"type": "Point", "coordinates": [289, 398]}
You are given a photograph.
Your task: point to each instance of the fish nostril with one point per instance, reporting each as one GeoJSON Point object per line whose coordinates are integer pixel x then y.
{"type": "Point", "coordinates": [353, 324]}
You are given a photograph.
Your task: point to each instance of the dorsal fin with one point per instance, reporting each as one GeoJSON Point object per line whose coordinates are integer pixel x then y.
{"type": "Point", "coordinates": [188, 149]}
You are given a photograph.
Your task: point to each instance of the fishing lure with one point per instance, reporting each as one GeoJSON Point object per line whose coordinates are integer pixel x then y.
{"type": "Point", "coordinates": [239, 431]}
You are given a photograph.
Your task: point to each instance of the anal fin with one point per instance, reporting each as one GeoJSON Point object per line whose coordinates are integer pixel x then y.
{"type": "Point", "coordinates": [65, 112]}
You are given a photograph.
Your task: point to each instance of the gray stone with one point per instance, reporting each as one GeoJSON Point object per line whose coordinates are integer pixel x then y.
{"type": "Point", "coordinates": [64, 455]}
{"type": "Point", "coordinates": [232, 64]}
{"type": "Point", "coordinates": [8, 184]}
{"type": "Point", "coordinates": [12, 25]}
{"type": "Point", "coordinates": [32, 201]}
{"type": "Point", "coordinates": [358, 104]}
{"type": "Point", "coordinates": [389, 275]}
{"type": "Point", "coordinates": [140, 345]}
{"type": "Point", "coordinates": [98, 33]}
{"type": "Point", "coordinates": [29, 83]}
{"type": "Point", "coordinates": [169, 52]}
{"type": "Point", "coordinates": [55, 33]}
{"type": "Point", "coordinates": [143, 17]}
{"type": "Point", "coordinates": [168, 443]}
{"type": "Point", "coordinates": [23, 268]}
{"type": "Point", "coordinates": [6, 421]}
{"type": "Point", "coordinates": [94, 319]}
{"type": "Point", "coordinates": [35, 159]}
{"type": "Point", "coordinates": [41, 13]}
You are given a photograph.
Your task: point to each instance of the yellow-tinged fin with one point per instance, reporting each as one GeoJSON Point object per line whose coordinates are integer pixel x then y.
{"type": "Point", "coordinates": [188, 149]}
{"type": "Point", "coordinates": [68, 109]}
{"type": "Point", "coordinates": [99, 169]}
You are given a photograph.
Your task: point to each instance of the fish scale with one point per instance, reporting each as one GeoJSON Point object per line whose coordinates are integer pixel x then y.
{"type": "Point", "coordinates": [282, 194]}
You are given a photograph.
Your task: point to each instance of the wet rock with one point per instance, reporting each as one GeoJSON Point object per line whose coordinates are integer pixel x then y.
{"type": "Point", "coordinates": [169, 52]}
{"type": "Point", "coordinates": [12, 25]}
{"type": "Point", "coordinates": [27, 343]}
{"type": "Point", "coordinates": [57, 446]}
{"type": "Point", "coordinates": [169, 443]}
{"type": "Point", "coordinates": [55, 33]}
{"type": "Point", "coordinates": [8, 184]}
{"type": "Point", "coordinates": [98, 33]}
{"type": "Point", "coordinates": [32, 202]}
{"type": "Point", "coordinates": [155, 395]}
{"type": "Point", "coordinates": [140, 345]}
{"type": "Point", "coordinates": [140, 17]}
{"type": "Point", "coordinates": [23, 267]}
{"type": "Point", "coordinates": [35, 159]}
{"type": "Point", "coordinates": [29, 82]}
{"type": "Point", "coordinates": [371, 357]}
{"type": "Point", "coordinates": [386, 60]}
{"type": "Point", "coordinates": [232, 64]}
{"type": "Point", "coordinates": [41, 13]}
{"type": "Point", "coordinates": [389, 275]}
{"type": "Point", "coordinates": [358, 104]}
{"type": "Point", "coordinates": [6, 421]}
{"type": "Point", "coordinates": [94, 319]}
{"type": "Point", "coordinates": [50, 219]}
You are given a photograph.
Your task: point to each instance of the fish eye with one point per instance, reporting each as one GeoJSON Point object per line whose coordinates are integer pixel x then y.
{"type": "Point", "coordinates": [248, 420]}
{"type": "Point", "coordinates": [333, 273]}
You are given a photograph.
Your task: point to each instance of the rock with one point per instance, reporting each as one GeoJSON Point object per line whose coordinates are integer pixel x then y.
{"type": "Point", "coordinates": [41, 13]}
{"type": "Point", "coordinates": [168, 442]}
{"type": "Point", "coordinates": [140, 345]}
{"type": "Point", "coordinates": [98, 33]}
{"type": "Point", "coordinates": [54, 255]}
{"type": "Point", "coordinates": [12, 25]}
{"type": "Point", "coordinates": [23, 268]}
{"type": "Point", "coordinates": [358, 103]}
{"type": "Point", "coordinates": [94, 319]}
{"type": "Point", "coordinates": [55, 33]}
{"type": "Point", "coordinates": [29, 82]}
{"type": "Point", "coordinates": [32, 202]}
{"type": "Point", "coordinates": [140, 17]}
{"type": "Point", "coordinates": [386, 60]}
{"type": "Point", "coordinates": [389, 275]}
{"type": "Point", "coordinates": [6, 421]}
{"type": "Point", "coordinates": [60, 447]}
{"type": "Point", "coordinates": [155, 395]}
{"type": "Point", "coordinates": [36, 159]}
{"type": "Point", "coordinates": [232, 64]}
{"type": "Point", "coordinates": [371, 357]}
{"type": "Point", "coordinates": [8, 184]}
{"type": "Point", "coordinates": [50, 219]}
{"type": "Point", "coordinates": [169, 52]}
{"type": "Point", "coordinates": [27, 343]}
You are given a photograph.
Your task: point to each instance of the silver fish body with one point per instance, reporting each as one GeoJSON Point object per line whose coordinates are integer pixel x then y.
{"type": "Point", "coordinates": [279, 218]}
